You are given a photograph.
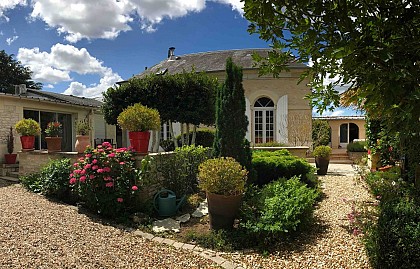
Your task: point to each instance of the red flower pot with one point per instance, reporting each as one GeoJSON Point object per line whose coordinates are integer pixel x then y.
{"type": "Point", "coordinates": [139, 141]}
{"type": "Point", "coordinates": [10, 158]}
{"type": "Point", "coordinates": [27, 142]}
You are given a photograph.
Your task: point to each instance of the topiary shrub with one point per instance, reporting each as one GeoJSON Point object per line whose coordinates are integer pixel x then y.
{"type": "Point", "coordinates": [278, 208]}
{"type": "Point", "coordinates": [270, 166]}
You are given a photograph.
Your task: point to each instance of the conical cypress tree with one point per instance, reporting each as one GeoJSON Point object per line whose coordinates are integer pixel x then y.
{"type": "Point", "coordinates": [231, 121]}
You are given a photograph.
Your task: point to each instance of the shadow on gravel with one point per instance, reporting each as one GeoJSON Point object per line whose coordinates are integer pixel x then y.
{"type": "Point", "coordinates": [6, 183]}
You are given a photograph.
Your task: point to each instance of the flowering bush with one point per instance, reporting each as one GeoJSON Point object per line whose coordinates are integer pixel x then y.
{"type": "Point", "coordinates": [106, 179]}
{"type": "Point", "coordinates": [54, 129]}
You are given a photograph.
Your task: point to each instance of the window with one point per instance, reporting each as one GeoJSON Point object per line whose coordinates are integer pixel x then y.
{"type": "Point", "coordinates": [263, 120]}
{"type": "Point", "coordinates": [165, 132]}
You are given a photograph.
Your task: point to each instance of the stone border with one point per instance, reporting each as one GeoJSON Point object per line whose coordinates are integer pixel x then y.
{"type": "Point", "coordinates": [205, 253]}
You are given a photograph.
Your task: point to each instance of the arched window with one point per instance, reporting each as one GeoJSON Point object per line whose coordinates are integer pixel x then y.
{"type": "Point", "coordinates": [263, 120]}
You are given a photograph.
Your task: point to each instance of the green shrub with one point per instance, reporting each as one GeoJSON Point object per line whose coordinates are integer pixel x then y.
{"type": "Point", "coordinates": [271, 144]}
{"type": "Point", "coordinates": [321, 133]}
{"type": "Point", "coordinates": [388, 184]}
{"type": "Point", "coordinates": [265, 153]}
{"type": "Point", "coordinates": [322, 151]}
{"type": "Point", "coordinates": [28, 127]}
{"type": "Point", "coordinates": [394, 241]}
{"type": "Point", "coordinates": [55, 178]}
{"type": "Point", "coordinates": [139, 118]}
{"type": "Point", "coordinates": [167, 145]}
{"type": "Point", "coordinates": [273, 165]}
{"type": "Point", "coordinates": [359, 146]}
{"type": "Point", "coordinates": [178, 171]}
{"type": "Point", "coordinates": [278, 208]}
{"type": "Point", "coordinates": [32, 182]}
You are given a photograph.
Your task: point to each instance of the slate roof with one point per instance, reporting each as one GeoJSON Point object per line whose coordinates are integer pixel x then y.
{"type": "Point", "coordinates": [58, 98]}
{"type": "Point", "coordinates": [213, 61]}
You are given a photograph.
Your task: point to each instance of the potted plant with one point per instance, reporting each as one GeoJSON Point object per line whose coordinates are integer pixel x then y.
{"type": "Point", "coordinates": [139, 120]}
{"type": "Point", "coordinates": [322, 159]}
{"type": "Point", "coordinates": [53, 139]}
{"type": "Point", "coordinates": [82, 135]}
{"type": "Point", "coordinates": [28, 129]}
{"type": "Point", "coordinates": [223, 180]}
{"type": "Point", "coordinates": [10, 157]}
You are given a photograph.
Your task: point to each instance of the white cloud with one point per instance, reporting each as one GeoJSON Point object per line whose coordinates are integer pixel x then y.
{"type": "Point", "coordinates": [79, 19]}
{"type": "Point", "coordinates": [9, 4]}
{"type": "Point", "coordinates": [12, 39]}
{"type": "Point", "coordinates": [49, 86]}
{"type": "Point", "coordinates": [57, 66]}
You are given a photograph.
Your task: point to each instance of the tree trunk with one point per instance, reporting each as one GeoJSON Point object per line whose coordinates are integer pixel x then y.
{"type": "Point", "coordinates": [194, 134]}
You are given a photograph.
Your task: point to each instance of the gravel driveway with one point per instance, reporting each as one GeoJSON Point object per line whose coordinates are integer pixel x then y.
{"type": "Point", "coordinates": [38, 233]}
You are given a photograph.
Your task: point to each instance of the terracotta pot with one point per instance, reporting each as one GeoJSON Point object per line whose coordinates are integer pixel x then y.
{"type": "Point", "coordinates": [139, 141]}
{"type": "Point", "coordinates": [223, 210]}
{"type": "Point", "coordinates": [82, 142]}
{"type": "Point", "coordinates": [10, 158]}
{"type": "Point", "coordinates": [28, 142]}
{"type": "Point", "coordinates": [322, 165]}
{"type": "Point", "coordinates": [53, 143]}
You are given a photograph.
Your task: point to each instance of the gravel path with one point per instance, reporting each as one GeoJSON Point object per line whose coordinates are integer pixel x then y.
{"type": "Point", "coordinates": [37, 233]}
{"type": "Point", "coordinates": [330, 244]}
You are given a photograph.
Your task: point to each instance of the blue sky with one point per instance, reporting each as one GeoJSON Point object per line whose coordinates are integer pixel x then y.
{"type": "Point", "coordinates": [82, 47]}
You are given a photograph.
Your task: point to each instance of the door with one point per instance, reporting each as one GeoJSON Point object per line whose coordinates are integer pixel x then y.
{"type": "Point", "coordinates": [263, 120]}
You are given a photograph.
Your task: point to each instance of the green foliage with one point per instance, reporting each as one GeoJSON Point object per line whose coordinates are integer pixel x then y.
{"type": "Point", "coordinates": [178, 171]}
{"type": "Point", "coordinates": [273, 165]}
{"type": "Point", "coordinates": [106, 180]}
{"type": "Point", "coordinates": [10, 141]}
{"type": "Point", "coordinates": [321, 133]}
{"type": "Point", "coordinates": [223, 176]}
{"type": "Point", "coordinates": [32, 182]}
{"type": "Point", "coordinates": [278, 208]}
{"type": "Point", "coordinates": [394, 241]}
{"type": "Point", "coordinates": [54, 129]}
{"type": "Point", "coordinates": [231, 121]}
{"type": "Point", "coordinates": [322, 151]}
{"type": "Point", "coordinates": [55, 178]}
{"type": "Point", "coordinates": [14, 73]}
{"type": "Point", "coordinates": [186, 97]}
{"type": "Point", "coordinates": [83, 127]}
{"type": "Point", "coordinates": [27, 127]}
{"type": "Point", "coordinates": [271, 144]}
{"type": "Point", "coordinates": [139, 118]}
{"type": "Point", "coordinates": [359, 146]}
{"type": "Point", "coordinates": [204, 137]}
{"type": "Point", "coordinates": [217, 240]}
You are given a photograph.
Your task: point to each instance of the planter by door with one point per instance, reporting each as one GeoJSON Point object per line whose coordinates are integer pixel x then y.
{"type": "Point", "coordinates": [139, 141]}
{"type": "Point", "coordinates": [28, 142]}
{"type": "Point", "coordinates": [82, 142]}
{"type": "Point", "coordinates": [223, 210]}
{"type": "Point", "coordinates": [53, 143]}
{"type": "Point", "coordinates": [10, 158]}
{"type": "Point", "coordinates": [322, 165]}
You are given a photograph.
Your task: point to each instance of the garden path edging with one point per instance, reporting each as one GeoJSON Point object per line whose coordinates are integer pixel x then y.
{"type": "Point", "coordinates": [205, 253]}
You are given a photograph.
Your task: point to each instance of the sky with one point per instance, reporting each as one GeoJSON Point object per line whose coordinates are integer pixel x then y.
{"type": "Point", "coordinates": [83, 47]}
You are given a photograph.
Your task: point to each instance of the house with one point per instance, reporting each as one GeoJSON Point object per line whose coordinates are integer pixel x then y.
{"type": "Point", "coordinates": [345, 129]}
{"type": "Point", "coordinates": [44, 106]}
{"type": "Point", "coordinates": [275, 107]}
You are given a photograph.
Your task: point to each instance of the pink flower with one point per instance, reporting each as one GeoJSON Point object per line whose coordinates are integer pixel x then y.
{"type": "Point", "coordinates": [95, 167]}
{"type": "Point", "coordinates": [82, 179]}
{"type": "Point", "coordinates": [71, 175]}
{"type": "Point", "coordinates": [91, 176]}
{"type": "Point", "coordinates": [122, 163]}
{"type": "Point", "coordinates": [87, 166]}
{"type": "Point", "coordinates": [77, 171]}
{"type": "Point", "coordinates": [75, 164]}
{"type": "Point", "coordinates": [88, 155]}
{"type": "Point", "coordinates": [99, 146]}
{"type": "Point", "coordinates": [72, 180]}
{"type": "Point", "coordinates": [134, 188]}
{"type": "Point", "coordinates": [94, 161]}
{"type": "Point", "coordinates": [100, 170]}
{"type": "Point", "coordinates": [83, 172]}
{"type": "Point", "coordinates": [120, 200]}
{"type": "Point", "coordinates": [121, 150]}
{"type": "Point", "coordinates": [107, 169]}
{"type": "Point", "coordinates": [107, 178]}
{"type": "Point", "coordinates": [106, 144]}
{"type": "Point", "coordinates": [111, 155]}
{"type": "Point", "coordinates": [100, 150]}
{"type": "Point", "coordinates": [109, 184]}
{"type": "Point", "coordinates": [81, 159]}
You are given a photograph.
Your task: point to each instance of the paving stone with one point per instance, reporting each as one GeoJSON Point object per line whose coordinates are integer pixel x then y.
{"type": "Point", "coordinates": [202, 210]}
{"type": "Point", "coordinates": [184, 218]}
{"type": "Point", "coordinates": [188, 246]}
{"type": "Point", "coordinates": [166, 225]}
{"type": "Point", "coordinates": [168, 241]}
{"type": "Point", "coordinates": [229, 265]}
{"type": "Point", "coordinates": [178, 245]}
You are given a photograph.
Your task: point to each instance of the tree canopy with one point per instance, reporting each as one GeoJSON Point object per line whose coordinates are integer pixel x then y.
{"type": "Point", "coordinates": [372, 46]}
{"type": "Point", "coordinates": [12, 72]}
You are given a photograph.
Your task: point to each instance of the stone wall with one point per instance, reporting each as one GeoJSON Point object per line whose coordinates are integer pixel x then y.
{"type": "Point", "coordinates": [8, 117]}
{"type": "Point", "coordinates": [33, 161]}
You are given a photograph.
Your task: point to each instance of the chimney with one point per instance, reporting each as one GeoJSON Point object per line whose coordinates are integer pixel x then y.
{"type": "Point", "coordinates": [20, 89]}
{"type": "Point", "coordinates": [171, 53]}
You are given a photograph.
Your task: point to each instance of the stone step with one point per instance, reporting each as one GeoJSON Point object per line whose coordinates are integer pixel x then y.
{"type": "Point", "coordinates": [11, 179]}
{"type": "Point", "coordinates": [338, 161]}
{"type": "Point", "coordinates": [13, 174]}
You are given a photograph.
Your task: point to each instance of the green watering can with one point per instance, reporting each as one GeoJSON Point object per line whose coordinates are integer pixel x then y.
{"type": "Point", "coordinates": [166, 204]}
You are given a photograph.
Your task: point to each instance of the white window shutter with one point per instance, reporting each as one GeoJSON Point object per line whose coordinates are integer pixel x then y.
{"type": "Point", "coordinates": [281, 120]}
